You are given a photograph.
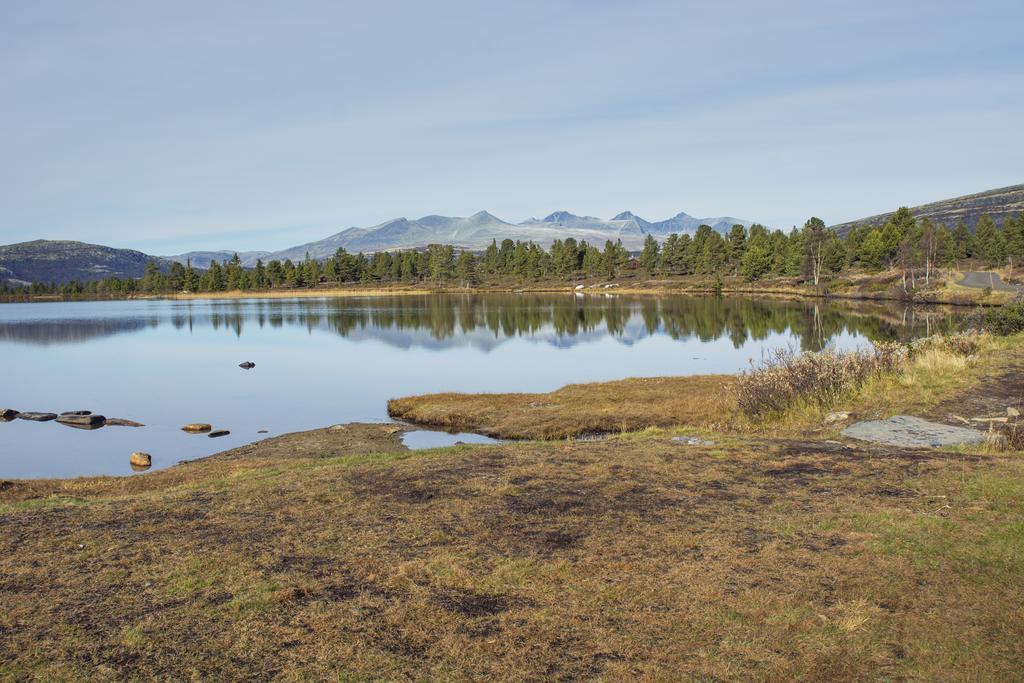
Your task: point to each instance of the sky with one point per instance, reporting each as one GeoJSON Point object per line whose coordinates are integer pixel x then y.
{"type": "Point", "coordinates": [170, 126]}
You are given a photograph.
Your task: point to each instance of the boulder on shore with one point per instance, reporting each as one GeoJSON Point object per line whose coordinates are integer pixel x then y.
{"type": "Point", "coordinates": [197, 427]}
{"type": "Point", "coordinates": [37, 417]}
{"type": "Point", "coordinates": [87, 421]}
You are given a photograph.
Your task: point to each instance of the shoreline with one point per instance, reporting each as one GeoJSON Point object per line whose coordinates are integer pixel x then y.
{"type": "Point", "coordinates": [955, 295]}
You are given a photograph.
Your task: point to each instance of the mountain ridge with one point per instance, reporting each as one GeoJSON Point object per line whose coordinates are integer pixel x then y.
{"type": "Point", "coordinates": [479, 229]}
{"type": "Point", "coordinates": [998, 203]}
{"type": "Point", "coordinates": [64, 260]}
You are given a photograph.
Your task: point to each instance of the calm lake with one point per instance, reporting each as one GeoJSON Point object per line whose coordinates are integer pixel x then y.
{"type": "Point", "coordinates": [330, 360]}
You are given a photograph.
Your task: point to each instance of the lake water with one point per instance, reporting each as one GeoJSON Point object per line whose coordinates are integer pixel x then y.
{"type": "Point", "coordinates": [330, 360]}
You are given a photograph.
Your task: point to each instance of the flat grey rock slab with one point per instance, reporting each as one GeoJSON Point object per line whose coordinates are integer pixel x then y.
{"type": "Point", "coordinates": [692, 441]}
{"type": "Point", "coordinates": [912, 432]}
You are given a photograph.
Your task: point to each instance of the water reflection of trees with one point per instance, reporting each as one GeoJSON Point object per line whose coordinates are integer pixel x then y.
{"type": "Point", "coordinates": [561, 318]}
{"type": "Point", "coordinates": [46, 332]}
{"type": "Point", "coordinates": [704, 318]}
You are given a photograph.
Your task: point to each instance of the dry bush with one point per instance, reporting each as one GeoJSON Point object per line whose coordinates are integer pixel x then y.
{"type": "Point", "coordinates": [785, 379]}
{"type": "Point", "coordinates": [960, 344]}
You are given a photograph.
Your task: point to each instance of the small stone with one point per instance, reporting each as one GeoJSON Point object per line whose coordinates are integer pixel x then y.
{"type": "Point", "coordinates": [247, 365]}
{"type": "Point", "coordinates": [1012, 412]}
{"type": "Point", "coordinates": [337, 428]}
{"type": "Point", "coordinates": [262, 431]}
{"type": "Point", "coordinates": [8, 414]}
{"type": "Point", "coordinates": [197, 427]}
{"type": "Point", "coordinates": [140, 459]}
{"type": "Point", "coordinates": [692, 441]}
{"type": "Point", "coordinates": [218, 433]}
{"type": "Point", "coordinates": [836, 417]}
{"type": "Point", "coordinates": [76, 412]}
{"type": "Point", "coordinates": [121, 422]}
{"type": "Point", "coordinates": [37, 417]}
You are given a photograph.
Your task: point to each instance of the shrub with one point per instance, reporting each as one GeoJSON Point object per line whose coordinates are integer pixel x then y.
{"type": "Point", "coordinates": [1005, 320]}
{"type": "Point", "coordinates": [959, 344]}
{"type": "Point", "coordinates": [785, 379]}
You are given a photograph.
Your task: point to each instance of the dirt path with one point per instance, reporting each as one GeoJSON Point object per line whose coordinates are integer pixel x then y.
{"type": "Point", "coordinates": [992, 396]}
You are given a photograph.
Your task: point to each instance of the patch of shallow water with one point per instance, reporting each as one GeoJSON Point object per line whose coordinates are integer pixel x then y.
{"type": "Point", "coordinates": [424, 438]}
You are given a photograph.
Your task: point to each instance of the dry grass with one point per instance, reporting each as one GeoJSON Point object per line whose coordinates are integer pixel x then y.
{"type": "Point", "coordinates": [705, 401]}
{"type": "Point", "coordinates": [636, 557]}
{"type": "Point", "coordinates": [786, 379]}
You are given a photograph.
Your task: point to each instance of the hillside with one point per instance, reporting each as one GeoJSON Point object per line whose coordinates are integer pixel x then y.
{"type": "Point", "coordinates": [476, 232]}
{"type": "Point", "coordinates": [64, 261]}
{"type": "Point", "coordinates": [999, 204]}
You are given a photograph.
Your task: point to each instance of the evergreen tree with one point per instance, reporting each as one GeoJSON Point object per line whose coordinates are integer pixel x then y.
{"type": "Point", "coordinates": [873, 250]}
{"type": "Point", "coordinates": [961, 243]}
{"type": "Point", "coordinates": [988, 241]}
{"type": "Point", "coordinates": [649, 257]}
{"type": "Point", "coordinates": [736, 244]}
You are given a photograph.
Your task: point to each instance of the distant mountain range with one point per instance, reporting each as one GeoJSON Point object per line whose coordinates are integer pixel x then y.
{"type": "Point", "coordinates": [62, 261]}
{"type": "Point", "coordinates": [999, 204]}
{"type": "Point", "coordinates": [475, 232]}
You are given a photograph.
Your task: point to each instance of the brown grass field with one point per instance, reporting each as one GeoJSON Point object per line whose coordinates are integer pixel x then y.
{"type": "Point", "coordinates": [578, 409]}
{"type": "Point", "coordinates": [773, 553]}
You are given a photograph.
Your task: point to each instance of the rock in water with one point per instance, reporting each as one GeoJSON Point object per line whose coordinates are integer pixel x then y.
{"type": "Point", "coordinates": [140, 459]}
{"type": "Point", "coordinates": [912, 432]}
{"type": "Point", "coordinates": [78, 420]}
{"type": "Point", "coordinates": [219, 432]}
{"type": "Point", "coordinates": [247, 365]}
{"type": "Point", "coordinates": [8, 414]}
{"type": "Point", "coordinates": [121, 422]}
{"type": "Point", "coordinates": [37, 417]}
{"type": "Point", "coordinates": [197, 427]}
{"type": "Point", "coordinates": [76, 412]}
